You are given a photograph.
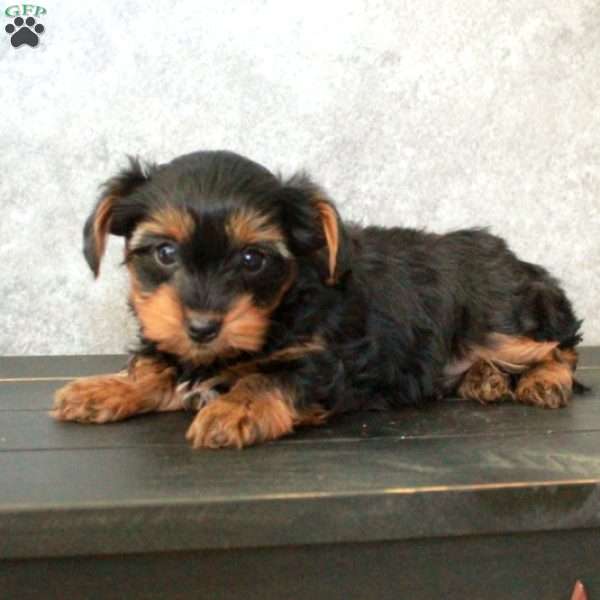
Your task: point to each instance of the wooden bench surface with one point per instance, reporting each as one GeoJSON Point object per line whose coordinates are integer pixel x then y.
{"type": "Point", "coordinates": [451, 471]}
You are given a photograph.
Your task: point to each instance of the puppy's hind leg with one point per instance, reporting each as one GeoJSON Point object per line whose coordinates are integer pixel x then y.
{"type": "Point", "coordinates": [544, 369]}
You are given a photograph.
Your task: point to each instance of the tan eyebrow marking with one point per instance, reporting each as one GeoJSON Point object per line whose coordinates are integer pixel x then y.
{"type": "Point", "coordinates": [168, 222]}
{"type": "Point", "coordinates": [247, 226]}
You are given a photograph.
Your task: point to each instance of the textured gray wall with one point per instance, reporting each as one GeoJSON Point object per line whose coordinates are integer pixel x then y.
{"type": "Point", "coordinates": [419, 112]}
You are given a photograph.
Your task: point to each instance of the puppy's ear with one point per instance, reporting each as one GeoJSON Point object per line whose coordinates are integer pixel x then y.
{"type": "Point", "coordinates": [114, 212]}
{"type": "Point", "coordinates": [314, 227]}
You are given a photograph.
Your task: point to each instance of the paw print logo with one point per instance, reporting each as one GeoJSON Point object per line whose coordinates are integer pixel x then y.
{"type": "Point", "coordinates": [24, 32]}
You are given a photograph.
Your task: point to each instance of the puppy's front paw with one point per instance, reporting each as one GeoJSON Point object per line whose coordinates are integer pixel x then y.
{"type": "Point", "coordinates": [95, 400]}
{"type": "Point", "coordinates": [235, 420]}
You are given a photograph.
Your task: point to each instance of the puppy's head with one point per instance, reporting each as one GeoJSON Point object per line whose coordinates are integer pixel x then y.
{"type": "Point", "coordinates": [213, 243]}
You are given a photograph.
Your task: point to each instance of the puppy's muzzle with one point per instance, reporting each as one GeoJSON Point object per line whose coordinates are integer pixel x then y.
{"type": "Point", "coordinates": [204, 330]}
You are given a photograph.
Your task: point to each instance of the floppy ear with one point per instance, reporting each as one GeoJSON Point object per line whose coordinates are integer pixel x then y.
{"type": "Point", "coordinates": [314, 227]}
{"type": "Point", "coordinates": [113, 213]}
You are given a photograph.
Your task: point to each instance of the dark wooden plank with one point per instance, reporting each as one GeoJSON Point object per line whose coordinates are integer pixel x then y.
{"type": "Point", "coordinates": [28, 395]}
{"type": "Point", "coordinates": [540, 566]}
{"type": "Point", "coordinates": [463, 469]}
{"type": "Point", "coordinates": [172, 498]}
{"type": "Point", "coordinates": [36, 430]}
{"type": "Point", "coordinates": [589, 356]}
{"type": "Point", "coordinates": [27, 367]}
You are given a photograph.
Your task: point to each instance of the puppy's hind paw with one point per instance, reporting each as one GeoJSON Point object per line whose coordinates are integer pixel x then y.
{"type": "Point", "coordinates": [549, 385]}
{"type": "Point", "coordinates": [486, 384]}
{"type": "Point", "coordinates": [543, 394]}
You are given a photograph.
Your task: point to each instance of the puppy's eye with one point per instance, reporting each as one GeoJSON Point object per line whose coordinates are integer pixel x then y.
{"type": "Point", "coordinates": [253, 260]}
{"type": "Point", "coordinates": [166, 254]}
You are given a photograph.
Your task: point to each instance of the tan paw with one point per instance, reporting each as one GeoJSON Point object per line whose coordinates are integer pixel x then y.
{"type": "Point", "coordinates": [541, 393]}
{"type": "Point", "coordinates": [95, 400]}
{"type": "Point", "coordinates": [549, 385]}
{"type": "Point", "coordinates": [485, 383]}
{"type": "Point", "coordinates": [235, 420]}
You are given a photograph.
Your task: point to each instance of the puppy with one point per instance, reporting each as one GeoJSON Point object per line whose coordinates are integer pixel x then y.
{"type": "Point", "coordinates": [262, 311]}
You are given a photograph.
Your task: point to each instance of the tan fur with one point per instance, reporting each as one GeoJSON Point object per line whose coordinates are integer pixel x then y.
{"type": "Point", "coordinates": [246, 226]}
{"type": "Point", "coordinates": [171, 222]}
{"type": "Point", "coordinates": [568, 356]}
{"type": "Point", "coordinates": [101, 227]}
{"type": "Point", "coordinates": [330, 228]}
{"type": "Point", "coordinates": [550, 383]}
{"type": "Point", "coordinates": [485, 383]}
{"type": "Point", "coordinates": [546, 372]}
{"type": "Point", "coordinates": [512, 353]}
{"type": "Point", "coordinates": [149, 386]}
{"type": "Point", "coordinates": [162, 319]}
{"type": "Point", "coordinates": [245, 325]}
{"type": "Point", "coordinates": [255, 410]}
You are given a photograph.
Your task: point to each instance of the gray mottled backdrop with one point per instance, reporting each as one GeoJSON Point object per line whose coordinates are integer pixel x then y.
{"type": "Point", "coordinates": [419, 112]}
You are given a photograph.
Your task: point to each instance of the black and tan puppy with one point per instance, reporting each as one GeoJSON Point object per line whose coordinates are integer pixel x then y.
{"type": "Point", "coordinates": [259, 308]}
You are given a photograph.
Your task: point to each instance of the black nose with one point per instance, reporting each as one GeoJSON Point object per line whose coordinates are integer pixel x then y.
{"type": "Point", "coordinates": [204, 330]}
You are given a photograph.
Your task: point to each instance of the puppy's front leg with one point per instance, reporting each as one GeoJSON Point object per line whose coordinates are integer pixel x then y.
{"type": "Point", "coordinates": [256, 409]}
{"type": "Point", "coordinates": [148, 386]}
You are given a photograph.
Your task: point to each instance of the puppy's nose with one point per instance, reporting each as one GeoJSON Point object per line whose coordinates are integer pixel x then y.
{"type": "Point", "coordinates": [204, 330]}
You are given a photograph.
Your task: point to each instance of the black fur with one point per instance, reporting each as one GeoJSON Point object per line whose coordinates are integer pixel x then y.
{"type": "Point", "coordinates": [403, 303]}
